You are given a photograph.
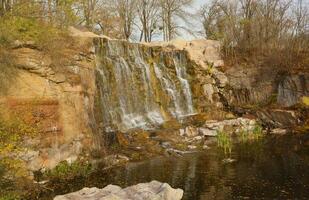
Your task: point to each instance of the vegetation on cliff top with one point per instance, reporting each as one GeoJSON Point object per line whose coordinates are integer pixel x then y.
{"type": "Point", "coordinates": [271, 33]}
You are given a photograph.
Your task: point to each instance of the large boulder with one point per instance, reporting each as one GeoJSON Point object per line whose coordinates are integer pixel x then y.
{"type": "Point", "coordinates": [278, 118]}
{"type": "Point", "coordinates": [143, 191]}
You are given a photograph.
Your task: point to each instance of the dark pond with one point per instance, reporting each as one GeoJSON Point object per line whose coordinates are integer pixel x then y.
{"type": "Point", "coordinates": [271, 168]}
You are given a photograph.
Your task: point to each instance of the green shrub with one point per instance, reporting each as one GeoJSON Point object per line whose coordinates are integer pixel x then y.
{"type": "Point", "coordinates": [257, 131]}
{"type": "Point", "coordinates": [41, 35]}
{"type": "Point", "coordinates": [305, 101]}
{"type": "Point", "coordinates": [28, 29]}
{"type": "Point", "coordinates": [244, 136]}
{"type": "Point", "coordinates": [12, 132]}
{"type": "Point", "coordinates": [65, 170]}
{"type": "Point", "coordinates": [12, 169]}
{"type": "Point", "coordinates": [9, 196]}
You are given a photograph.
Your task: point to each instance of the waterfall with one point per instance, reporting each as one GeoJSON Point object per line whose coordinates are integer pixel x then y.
{"type": "Point", "coordinates": [139, 90]}
{"type": "Point", "coordinates": [181, 74]}
{"type": "Point", "coordinates": [170, 88]}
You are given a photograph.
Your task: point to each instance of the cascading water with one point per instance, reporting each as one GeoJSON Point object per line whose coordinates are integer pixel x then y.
{"type": "Point", "coordinates": [138, 89]}
{"type": "Point", "coordinates": [181, 74]}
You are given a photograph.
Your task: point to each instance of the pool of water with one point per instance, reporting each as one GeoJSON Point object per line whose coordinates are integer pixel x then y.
{"type": "Point", "coordinates": [271, 168]}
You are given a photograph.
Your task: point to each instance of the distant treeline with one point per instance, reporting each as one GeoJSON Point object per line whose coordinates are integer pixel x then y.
{"type": "Point", "coordinates": [274, 31]}
{"type": "Point", "coordinates": [114, 18]}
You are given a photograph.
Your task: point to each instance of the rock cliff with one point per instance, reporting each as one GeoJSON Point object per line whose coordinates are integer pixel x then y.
{"type": "Point", "coordinates": [110, 85]}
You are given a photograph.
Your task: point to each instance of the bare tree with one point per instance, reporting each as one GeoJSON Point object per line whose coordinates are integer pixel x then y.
{"type": "Point", "coordinates": [170, 11]}
{"type": "Point", "coordinates": [264, 28]}
{"type": "Point", "coordinates": [89, 8]}
{"type": "Point", "coordinates": [108, 21]}
{"type": "Point", "coordinates": [5, 6]}
{"type": "Point", "coordinates": [126, 11]}
{"type": "Point", "coordinates": [148, 14]}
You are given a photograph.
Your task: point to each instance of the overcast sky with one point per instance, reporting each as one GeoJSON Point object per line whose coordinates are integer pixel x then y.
{"type": "Point", "coordinates": [197, 4]}
{"type": "Point", "coordinates": [197, 24]}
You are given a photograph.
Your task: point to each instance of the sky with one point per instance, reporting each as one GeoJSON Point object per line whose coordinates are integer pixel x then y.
{"type": "Point", "coordinates": [198, 26]}
{"type": "Point", "coordinates": [197, 4]}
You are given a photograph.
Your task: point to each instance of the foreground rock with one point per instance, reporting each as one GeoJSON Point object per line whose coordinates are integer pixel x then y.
{"type": "Point", "coordinates": [143, 191]}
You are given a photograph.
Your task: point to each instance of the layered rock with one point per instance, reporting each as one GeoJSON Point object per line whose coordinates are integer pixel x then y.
{"type": "Point", "coordinates": [56, 100]}
{"type": "Point", "coordinates": [261, 85]}
{"type": "Point", "coordinates": [113, 85]}
{"type": "Point", "coordinates": [108, 85]}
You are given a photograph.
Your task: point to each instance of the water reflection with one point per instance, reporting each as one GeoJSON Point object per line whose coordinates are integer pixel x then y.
{"type": "Point", "coordinates": [272, 168]}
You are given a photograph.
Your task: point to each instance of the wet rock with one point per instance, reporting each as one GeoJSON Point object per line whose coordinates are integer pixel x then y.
{"type": "Point", "coordinates": [220, 78]}
{"type": "Point", "coordinates": [166, 145]}
{"type": "Point", "coordinates": [143, 191]}
{"type": "Point", "coordinates": [278, 131]}
{"type": "Point", "coordinates": [115, 159]}
{"type": "Point", "coordinates": [191, 147]}
{"type": "Point", "coordinates": [228, 160]}
{"type": "Point", "coordinates": [191, 131]}
{"type": "Point", "coordinates": [232, 125]}
{"type": "Point", "coordinates": [230, 116]}
{"type": "Point", "coordinates": [197, 138]}
{"type": "Point", "coordinates": [181, 132]}
{"type": "Point", "coordinates": [207, 132]}
{"type": "Point", "coordinates": [278, 118]}
{"type": "Point", "coordinates": [175, 152]}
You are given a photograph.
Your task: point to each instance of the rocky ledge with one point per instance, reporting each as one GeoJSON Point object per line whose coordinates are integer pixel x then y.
{"type": "Point", "coordinates": [143, 191]}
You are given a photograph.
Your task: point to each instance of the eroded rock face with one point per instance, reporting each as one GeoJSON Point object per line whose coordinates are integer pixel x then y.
{"type": "Point", "coordinates": [134, 84]}
{"type": "Point", "coordinates": [58, 101]}
{"type": "Point", "coordinates": [250, 85]}
{"type": "Point", "coordinates": [143, 191]}
{"type": "Point", "coordinates": [119, 85]}
{"type": "Point", "coordinates": [292, 88]}
{"type": "Point", "coordinates": [261, 85]}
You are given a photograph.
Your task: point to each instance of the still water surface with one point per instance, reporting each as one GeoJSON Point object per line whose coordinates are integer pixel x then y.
{"type": "Point", "coordinates": [271, 168]}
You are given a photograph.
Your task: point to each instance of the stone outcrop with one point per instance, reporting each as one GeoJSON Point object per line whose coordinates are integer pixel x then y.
{"type": "Point", "coordinates": [271, 95]}
{"type": "Point", "coordinates": [111, 86]}
{"type": "Point", "coordinates": [292, 88]}
{"type": "Point", "coordinates": [211, 127]}
{"type": "Point", "coordinates": [57, 100]}
{"type": "Point", "coordinates": [143, 191]}
{"type": "Point", "coordinates": [261, 85]}
{"type": "Point", "coordinates": [279, 118]}
{"type": "Point", "coordinates": [108, 85]}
